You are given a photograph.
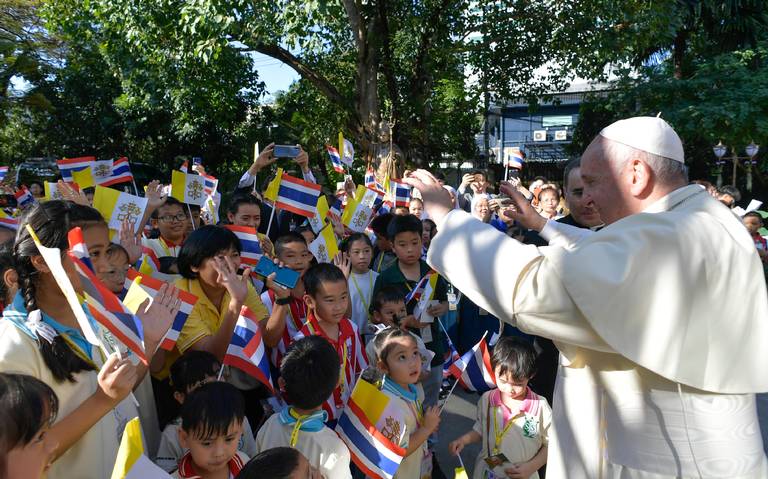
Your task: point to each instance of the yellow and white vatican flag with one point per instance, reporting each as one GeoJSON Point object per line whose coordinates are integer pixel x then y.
{"type": "Point", "coordinates": [359, 210]}
{"type": "Point", "coordinates": [325, 247]}
{"type": "Point", "coordinates": [317, 222]}
{"type": "Point", "coordinates": [132, 461]}
{"type": "Point", "coordinates": [116, 206]}
{"type": "Point", "coordinates": [188, 188]}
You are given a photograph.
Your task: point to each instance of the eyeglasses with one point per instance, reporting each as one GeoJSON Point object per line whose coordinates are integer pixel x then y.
{"type": "Point", "coordinates": [170, 218]}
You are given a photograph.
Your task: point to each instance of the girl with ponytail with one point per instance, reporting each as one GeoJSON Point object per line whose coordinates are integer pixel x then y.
{"type": "Point", "coordinates": [40, 337]}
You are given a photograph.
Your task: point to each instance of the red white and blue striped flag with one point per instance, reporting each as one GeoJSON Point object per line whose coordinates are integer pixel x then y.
{"type": "Point", "coordinates": [358, 426]}
{"type": "Point", "coordinates": [370, 180]}
{"type": "Point", "coordinates": [210, 184]}
{"type": "Point", "coordinates": [400, 193]}
{"type": "Point", "coordinates": [24, 197]}
{"type": "Point", "coordinates": [3, 172]}
{"type": "Point", "coordinates": [8, 221]}
{"type": "Point", "coordinates": [452, 358]}
{"type": "Point", "coordinates": [297, 196]}
{"type": "Point", "coordinates": [336, 209]}
{"type": "Point", "coordinates": [121, 172]}
{"type": "Point", "coordinates": [249, 241]}
{"type": "Point", "coordinates": [473, 369]}
{"type": "Point", "coordinates": [104, 306]}
{"type": "Point", "coordinates": [247, 350]}
{"type": "Point", "coordinates": [152, 286]}
{"type": "Point", "coordinates": [333, 153]}
{"type": "Point", "coordinates": [68, 165]}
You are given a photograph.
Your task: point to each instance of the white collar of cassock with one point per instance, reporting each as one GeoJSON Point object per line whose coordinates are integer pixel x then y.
{"type": "Point", "coordinates": [674, 198]}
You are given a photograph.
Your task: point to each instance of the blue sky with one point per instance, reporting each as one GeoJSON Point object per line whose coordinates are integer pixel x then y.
{"type": "Point", "coordinates": [274, 73]}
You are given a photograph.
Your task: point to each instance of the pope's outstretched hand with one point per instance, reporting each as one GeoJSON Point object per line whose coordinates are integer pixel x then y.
{"type": "Point", "coordinates": [520, 209]}
{"type": "Point", "coordinates": [437, 200]}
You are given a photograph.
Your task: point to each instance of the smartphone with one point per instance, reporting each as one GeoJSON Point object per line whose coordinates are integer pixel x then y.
{"type": "Point", "coordinates": [196, 160]}
{"type": "Point", "coordinates": [284, 277]}
{"type": "Point", "coordinates": [286, 151]}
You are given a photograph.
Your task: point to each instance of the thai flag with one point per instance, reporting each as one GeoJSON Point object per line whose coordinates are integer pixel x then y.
{"type": "Point", "coordinates": [249, 240]}
{"type": "Point", "coordinates": [416, 292]}
{"type": "Point", "coordinates": [24, 197]}
{"type": "Point", "coordinates": [151, 286]}
{"type": "Point", "coordinates": [3, 172]}
{"type": "Point", "coordinates": [452, 358]}
{"type": "Point", "coordinates": [338, 167]}
{"type": "Point", "coordinates": [336, 209]}
{"type": "Point", "coordinates": [184, 167]}
{"type": "Point", "coordinates": [297, 196]}
{"type": "Point", "coordinates": [209, 184]}
{"type": "Point", "coordinates": [8, 221]}
{"type": "Point", "coordinates": [104, 306]}
{"type": "Point", "coordinates": [68, 165]}
{"type": "Point", "coordinates": [516, 160]}
{"type": "Point", "coordinates": [247, 350]}
{"type": "Point", "coordinates": [370, 180]}
{"type": "Point", "coordinates": [473, 369]}
{"type": "Point", "coordinates": [121, 172]}
{"type": "Point", "coordinates": [377, 456]}
{"type": "Point", "coordinates": [385, 207]}
{"type": "Point", "coordinates": [400, 193]}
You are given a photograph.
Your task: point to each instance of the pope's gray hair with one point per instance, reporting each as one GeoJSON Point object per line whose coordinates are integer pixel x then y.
{"type": "Point", "coordinates": [666, 170]}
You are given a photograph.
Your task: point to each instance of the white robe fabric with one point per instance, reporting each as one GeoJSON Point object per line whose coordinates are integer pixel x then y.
{"type": "Point", "coordinates": [661, 322]}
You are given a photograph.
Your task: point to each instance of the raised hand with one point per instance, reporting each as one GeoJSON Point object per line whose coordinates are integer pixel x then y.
{"type": "Point", "coordinates": [302, 159]}
{"type": "Point", "coordinates": [69, 193]}
{"type": "Point", "coordinates": [437, 200]}
{"type": "Point", "coordinates": [237, 286]}
{"type": "Point", "coordinates": [520, 208]}
{"type": "Point", "coordinates": [130, 241]}
{"type": "Point", "coordinates": [432, 418]}
{"type": "Point", "coordinates": [157, 317]}
{"type": "Point", "coordinates": [344, 263]}
{"type": "Point", "coordinates": [266, 158]}
{"type": "Point", "coordinates": [154, 195]}
{"type": "Point", "coordinates": [117, 378]}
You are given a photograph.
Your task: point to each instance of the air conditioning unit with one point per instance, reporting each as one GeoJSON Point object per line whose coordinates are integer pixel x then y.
{"type": "Point", "coordinates": [540, 135]}
{"type": "Point", "coordinates": [561, 135]}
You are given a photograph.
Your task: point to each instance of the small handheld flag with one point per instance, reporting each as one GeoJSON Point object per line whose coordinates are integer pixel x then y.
{"type": "Point", "coordinates": [297, 196]}
{"type": "Point", "coordinates": [24, 197]}
{"type": "Point", "coordinates": [247, 350]}
{"type": "Point", "coordinates": [249, 241]}
{"type": "Point", "coordinates": [317, 222]}
{"type": "Point", "coordinates": [349, 153]}
{"type": "Point", "coordinates": [210, 184]}
{"type": "Point", "coordinates": [333, 154]}
{"type": "Point", "coordinates": [116, 206]}
{"type": "Point", "coordinates": [400, 193]}
{"type": "Point", "coordinates": [105, 307]}
{"type": "Point", "coordinates": [516, 159]}
{"type": "Point", "coordinates": [473, 370]}
{"type": "Point", "coordinates": [121, 172]}
{"type": "Point", "coordinates": [141, 287]}
{"type": "Point", "coordinates": [188, 188]}
{"type": "Point", "coordinates": [68, 165]}
{"type": "Point", "coordinates": [325, 247]}
{"type": "Point", "coordinates": [8, 221]}
{"type": "Point", "coordinates": [360, 209]}
{"type": "Point", "coordinates": [132, 461]}
{"type": "Point", "coordinates": [3, 172]}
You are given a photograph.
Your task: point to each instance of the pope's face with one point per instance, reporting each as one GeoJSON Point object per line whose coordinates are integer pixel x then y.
{"type": "Point", "coordinates": [583, 212]}
{"type": "Point", "coordinates": [605, 185]}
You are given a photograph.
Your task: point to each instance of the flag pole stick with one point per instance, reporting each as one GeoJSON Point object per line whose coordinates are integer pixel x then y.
{"type": "Point", "coordinates": [135, 188]}
{"type": "Point", "coordinates": [460, 461]}
{"type": "Point", "coordinates": [271, 217]}
{"type": "Point", "coordinates": [221, 371]}
{"type": "Point", "coordinates": [191, 219]}
{"type": "Point", "coordinates": [457, 382]}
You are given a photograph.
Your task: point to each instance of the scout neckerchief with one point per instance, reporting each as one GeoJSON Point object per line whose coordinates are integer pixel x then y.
{"type": "Point", "coordinates": [342, 349]}
{"type": "Point", "coordinates": [312, 422]}
{"type": "Point", "coordinates": [360, 292]}
{"type": "Point", "coordinates": [167, 246]}
{"type": "Point", "coordinates": [410, 396]}
{"type": "Point", "coordinates": [528, 405]}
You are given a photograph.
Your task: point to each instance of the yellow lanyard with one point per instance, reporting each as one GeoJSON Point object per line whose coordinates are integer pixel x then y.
{"type": "Point", "coordinates": [381, 260]}
{"type": "Point", "coordinates": [360, 292]}
{"type": "Point", "coordinates": [500, 434]}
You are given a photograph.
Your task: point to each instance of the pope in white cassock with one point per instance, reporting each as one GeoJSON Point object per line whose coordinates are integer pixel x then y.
{"type": "Point", "coordinates": [661, 317]}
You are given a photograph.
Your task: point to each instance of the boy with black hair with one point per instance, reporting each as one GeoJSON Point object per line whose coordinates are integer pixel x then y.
{"type": "Point", "coordinates": [308, 375]}
{"type": "Point", "coordinates": [211, 427]}
{"type": "Point", "coordinates": [327, 298]}
{"type": "Point", "coordinates": [245, 210]}
{"type": "Point", "coordinates": [188, 373]}
{"type": "Point", "coordinates": [405, 234]}
{"type": "Point", "coordinates": [290, 251]}
{"type": "Point", "coordinates": [279, 463]}
{"type": "Point", "coordinates": [383, 256]}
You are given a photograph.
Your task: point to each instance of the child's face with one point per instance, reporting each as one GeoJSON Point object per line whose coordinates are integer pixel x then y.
{"type": "Point", "coordinates": [426, 235]}
{"type": "Point", "coordinates": [509, 387]}
{"type": "Point", "coordinates": [407, 246]}
{"type": "Point", "coordinates": [403, 363]}
{"type": "Point", "coordinates": [172, 222]}
{"type": "Point", "coordinates": [309, 236]}
{"type": "Point", "coordinates": [114, 277]}
{"type": "Point", "coordinates": [360, 255]}
{"type": "Point", "coordinates": [383, 243]}
{"type": "Point", "coordinates": [211, 455]}
{"type": "Point", "coordinates": [330, 302]}
{"type": "Point", "coordinates": [247, 215]}
{"type": "Point", "coordinates": [752, 223]}
{"type": "Point", "coordinates": [416, 208]}
{"type": "Point", "coordinates": [389, 311]}
{"type": "Point", "coordinates": [33, 459]}
{"type": "Point", "coordinates": [207, 272]}
{"type": "Point", "coordinates": [296, 256]}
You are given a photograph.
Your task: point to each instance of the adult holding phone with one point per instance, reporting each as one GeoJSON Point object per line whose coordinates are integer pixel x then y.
{"type": "Point", "coordinates": [659, 317]}
{"type": "Point", "coordinates": [472, 184]}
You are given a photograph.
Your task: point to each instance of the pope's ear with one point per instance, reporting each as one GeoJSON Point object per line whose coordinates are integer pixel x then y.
{"type": "Point", "coordinates": [641, 177]}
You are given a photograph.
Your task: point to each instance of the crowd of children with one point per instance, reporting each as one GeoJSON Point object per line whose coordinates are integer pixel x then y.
{"type": "Point", "coordinates": [66, 401]}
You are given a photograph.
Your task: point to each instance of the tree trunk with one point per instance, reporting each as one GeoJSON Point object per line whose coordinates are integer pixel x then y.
{"type": "Point", "coordinates": [678, 53]}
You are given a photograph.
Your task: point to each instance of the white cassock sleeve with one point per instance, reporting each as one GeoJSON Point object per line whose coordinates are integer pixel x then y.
{"type": "Point", "coordinates": [564, 235]}
{"type": "Point", "coordinates": [511, 280]}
